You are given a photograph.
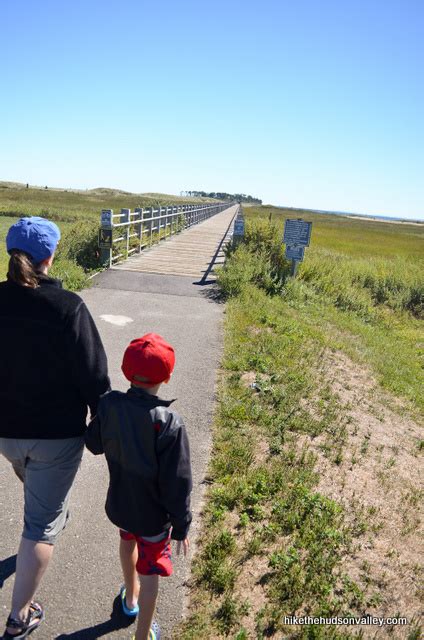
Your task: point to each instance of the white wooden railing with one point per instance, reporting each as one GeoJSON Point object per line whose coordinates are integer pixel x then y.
{"type": "Point", "coordinates": [122, 234]}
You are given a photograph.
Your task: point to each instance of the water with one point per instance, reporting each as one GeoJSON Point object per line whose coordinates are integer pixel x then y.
{"type": "Point", "coordinates": [357, 215]}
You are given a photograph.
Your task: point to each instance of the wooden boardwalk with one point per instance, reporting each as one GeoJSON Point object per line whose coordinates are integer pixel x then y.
{"type": "Point", "coordinates": [194, 252]}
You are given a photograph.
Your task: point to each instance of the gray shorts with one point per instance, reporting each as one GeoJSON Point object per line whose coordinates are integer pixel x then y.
{"type": "Point", "coordinates": [47, 469]}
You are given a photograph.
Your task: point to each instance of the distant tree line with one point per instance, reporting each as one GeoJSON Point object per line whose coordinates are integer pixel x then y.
{"type": "Point", "coordinates": [219, 195]}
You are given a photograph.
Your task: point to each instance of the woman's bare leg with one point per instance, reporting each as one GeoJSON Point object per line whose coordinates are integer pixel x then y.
{"type": "Point", "coordinates": [31, 563]}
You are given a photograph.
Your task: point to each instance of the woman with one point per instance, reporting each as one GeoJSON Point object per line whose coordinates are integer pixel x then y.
{"type": "Point", "coordinates": [52, 367]}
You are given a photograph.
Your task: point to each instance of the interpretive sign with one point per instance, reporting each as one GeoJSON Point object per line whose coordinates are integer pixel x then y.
{"type": "Point", "coordinates": [295, 252]}
{"type": "Point", "coordinates": [297, 236]}
{"type": "Point", "coordinates": [105, 238]}
{"type": "Point", "coordinates": [106, 218]}
{"type": "Point", "coordinates": [297, 232]}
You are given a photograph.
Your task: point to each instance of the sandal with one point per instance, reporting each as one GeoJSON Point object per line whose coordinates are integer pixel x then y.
{"type": "Point", "coordinates": [35, 617]}
{"type": "Point", "coordinates": [154, 633]}
{"type": "Point", "coordinates": [128, 612]}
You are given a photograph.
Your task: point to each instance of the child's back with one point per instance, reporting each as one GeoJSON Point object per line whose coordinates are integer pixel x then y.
{"type": "Point", "coordinates": [147, 452]}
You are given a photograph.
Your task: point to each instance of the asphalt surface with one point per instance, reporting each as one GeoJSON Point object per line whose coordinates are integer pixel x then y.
{"type": "Point", "coordinates": [80, 588]}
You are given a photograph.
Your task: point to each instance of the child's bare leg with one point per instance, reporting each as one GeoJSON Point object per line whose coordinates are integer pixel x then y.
{"type": "Point", "coordinates": [147, 604]}
{"type": "Point", "coordinates": [129, 554]}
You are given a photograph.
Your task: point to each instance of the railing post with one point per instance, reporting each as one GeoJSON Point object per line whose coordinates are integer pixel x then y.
{"type": "Point", "coordinates": [159, 220]}
{"type": "Point", "coordinates": [152, 209]}
{"type": "Point", "coordinates": [139, 221]}
{"type": "Point", "coordinates": [174, 218]}
{"type": "Point", "coordinates": [169, 209]}
{"type": "Point", "coordinates": [125, 217]}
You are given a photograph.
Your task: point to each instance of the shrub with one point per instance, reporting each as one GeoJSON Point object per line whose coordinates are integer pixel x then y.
{"type": "Point", "coordinates": [258, 259]}
{"type": "Point", "coordinates": [71, 274]}
{"type": "Point", "coordinates": [79, 243]}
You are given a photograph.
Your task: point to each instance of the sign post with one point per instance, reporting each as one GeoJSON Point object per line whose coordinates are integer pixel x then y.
{"type": "Point", "coordinates": [105, 236]}
{"type": "Point", "coordinates": [297, 236]}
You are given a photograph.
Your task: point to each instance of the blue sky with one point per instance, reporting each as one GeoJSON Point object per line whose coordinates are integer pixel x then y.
{"type": "Point", "coordinates": [314, 103]}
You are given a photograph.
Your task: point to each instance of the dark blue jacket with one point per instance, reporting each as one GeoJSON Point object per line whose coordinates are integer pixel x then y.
{"type": "Point", "coordinates": [148, 455]}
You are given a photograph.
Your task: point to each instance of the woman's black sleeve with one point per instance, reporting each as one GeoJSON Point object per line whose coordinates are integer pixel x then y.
{"type": "Point", "coordinates": [87, 357]}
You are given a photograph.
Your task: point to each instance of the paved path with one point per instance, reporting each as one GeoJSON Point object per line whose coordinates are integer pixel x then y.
{"type": "Point", "coordinates": [84, 578]}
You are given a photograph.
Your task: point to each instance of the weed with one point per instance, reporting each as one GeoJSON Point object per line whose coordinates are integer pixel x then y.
{"type": "Point", "coordinates": [229, 614]}
{"type": "Point", "coordinates": [213, 569]}
{"type": "Point", "coordinates": [366, 443]}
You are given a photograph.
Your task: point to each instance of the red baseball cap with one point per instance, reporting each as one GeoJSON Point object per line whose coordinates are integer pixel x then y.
{"type": "Point", "coordinates": [149, 358]}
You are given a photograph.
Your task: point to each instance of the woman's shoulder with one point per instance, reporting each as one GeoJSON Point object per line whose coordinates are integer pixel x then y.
{"type": "Point", "coordinates": [51, 289]}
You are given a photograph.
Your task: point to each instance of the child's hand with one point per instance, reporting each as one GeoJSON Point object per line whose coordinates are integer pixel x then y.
{"type": "Point", "coordinates": [185, 544]}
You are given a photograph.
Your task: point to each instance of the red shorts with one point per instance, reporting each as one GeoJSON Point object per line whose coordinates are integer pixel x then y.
{"type": "Point", "coordinates": [154, 558]}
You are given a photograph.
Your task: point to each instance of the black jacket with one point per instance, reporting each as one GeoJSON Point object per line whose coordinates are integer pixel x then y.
{"type": "Point", "coordinates": [147, 451]}
{"type": "Point", "coordinates": [52, 362]}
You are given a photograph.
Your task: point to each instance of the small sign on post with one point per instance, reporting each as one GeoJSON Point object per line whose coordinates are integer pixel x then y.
{"type": "Point", "coordinates": [295, 252]}
{"type": "Point", "coordinates": [105, 238]}
{"type": "Point", "coordinates": [297, 236]}
{"type": "Point", "coordinates": [106, 219]}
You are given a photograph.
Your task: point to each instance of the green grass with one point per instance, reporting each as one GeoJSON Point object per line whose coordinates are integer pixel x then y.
{"type": "Point", "coordinates": [262, 507]}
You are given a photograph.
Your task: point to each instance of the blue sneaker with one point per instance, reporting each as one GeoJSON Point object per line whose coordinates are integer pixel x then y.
{"type": "Point", "coordinates": [128, 612]}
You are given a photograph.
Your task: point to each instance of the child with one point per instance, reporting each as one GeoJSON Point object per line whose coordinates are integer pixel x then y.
{"type": "Point", "coordinates": [147, 451]}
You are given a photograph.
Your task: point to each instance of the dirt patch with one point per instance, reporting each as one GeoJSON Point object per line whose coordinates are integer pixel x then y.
{"type": "Point", "coordinates": [255, 331]}
{"type": "Point", "coordinates": [261, 453]}
{"type": "Point", "coordinates": [248, 378]}
{"type": "Point", "coordinates": [249, 588]}
{"type": "Point", "coordinates": [378, 482]}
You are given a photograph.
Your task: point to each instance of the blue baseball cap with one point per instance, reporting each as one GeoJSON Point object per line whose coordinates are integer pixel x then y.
{"type": "Point", "coordinates": [36, 236]}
